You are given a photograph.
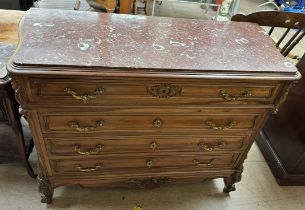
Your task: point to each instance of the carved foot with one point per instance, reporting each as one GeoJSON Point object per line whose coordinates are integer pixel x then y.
{"type": "Point", "coordinates": [45, 188]}
{"type": "Point", "coordinates": [229, 187]}
{"type": "Point", "coordinates": [231, 180]}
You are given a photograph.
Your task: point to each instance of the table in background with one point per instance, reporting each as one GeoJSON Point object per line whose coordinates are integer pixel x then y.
{"type": "Point", "coordinates": [12, 141]}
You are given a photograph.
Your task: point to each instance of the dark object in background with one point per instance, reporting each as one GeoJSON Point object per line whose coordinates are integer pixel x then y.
{"type": "Point", "coordinates": [16, 4]}
{"type": "Point", "coordinates": [282, 140]}
{"type": "Point", "coordinates": [13, 147]}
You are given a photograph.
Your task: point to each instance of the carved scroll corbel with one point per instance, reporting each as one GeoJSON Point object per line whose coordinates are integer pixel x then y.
{"type": "Point", "coordinates": [19, 95]}
{"type": "Point", "coordinates": [18, 90]}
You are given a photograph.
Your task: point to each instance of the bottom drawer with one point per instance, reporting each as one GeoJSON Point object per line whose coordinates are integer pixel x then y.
{"type": "Point", "coordinates": [140, 181]}
{"type": "Point", "coordinates": [121, 164]}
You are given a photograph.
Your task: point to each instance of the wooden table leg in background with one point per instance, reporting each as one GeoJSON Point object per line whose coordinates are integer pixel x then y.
{"type": "Point", "coordinates": [125, 6]}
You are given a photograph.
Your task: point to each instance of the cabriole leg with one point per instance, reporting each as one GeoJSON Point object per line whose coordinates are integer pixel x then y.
{"type": "Point", "coordinates": [46, 189]}
{"type": "Point", "coordinates": [231, 180]}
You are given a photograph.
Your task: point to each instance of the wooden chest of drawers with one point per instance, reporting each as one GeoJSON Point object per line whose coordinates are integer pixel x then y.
{"type": "Point", "coordinates": [119, 100]}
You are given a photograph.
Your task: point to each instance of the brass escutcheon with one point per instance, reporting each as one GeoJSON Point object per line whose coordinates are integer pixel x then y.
{"type": "Point", "coordinates": [157, 123]}
{"type": "Point", "coordinates": [153, 145]}
{"type": "Point", "coordinates": [149, 163]}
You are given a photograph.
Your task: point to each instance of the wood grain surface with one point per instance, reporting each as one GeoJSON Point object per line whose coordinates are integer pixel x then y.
{"type": "Point", "coordinates": [9, 24]}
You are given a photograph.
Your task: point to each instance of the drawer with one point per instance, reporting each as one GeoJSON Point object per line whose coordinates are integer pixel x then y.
{"type": "Point", "coordinates": [149, 93]}
{"type": "Point", "coordinates": [119, 164]}
{"type": "Point", "coordinates": [93, 123]}
{"type": "Point", "coordinates": [146, 144]}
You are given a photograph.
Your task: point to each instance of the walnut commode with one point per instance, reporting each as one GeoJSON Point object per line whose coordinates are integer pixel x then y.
{"type": "Point", "coordinates": [119, 100]}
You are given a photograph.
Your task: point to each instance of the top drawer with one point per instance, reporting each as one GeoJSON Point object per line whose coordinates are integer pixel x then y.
{"type": "Point", "coordinates": [149, 93]}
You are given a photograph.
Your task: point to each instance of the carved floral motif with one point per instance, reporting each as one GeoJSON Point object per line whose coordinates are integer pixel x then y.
{"type": "Point", "coordinates": [45, 189]}
{"type": "Point", "coordinates": [164, 90]}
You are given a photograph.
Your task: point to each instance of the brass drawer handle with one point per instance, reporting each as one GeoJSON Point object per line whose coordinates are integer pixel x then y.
{"type": "Point", "coordinates": [229, 97]}
{"type": "Point", "coordinates": [88, 169]}
{"type": "Point", "coordinates": [84, 98]}
{"type": "Point", "coordinates": [205, 147]}
{"type": "Point", "coordinates": [149, 163]}
{"type": "Point", "coordinates": [76, 126]}
{"type": "Point", "coordinates": [226, 127]}
{"type": "Point", "coordinates": [153, 145]}
{"type": "Point", "coordinates": [198, 163]}
{"type": "Point", "coordinates": [157, 123]}
{"type": "Point", "coordinates": [98, 148]}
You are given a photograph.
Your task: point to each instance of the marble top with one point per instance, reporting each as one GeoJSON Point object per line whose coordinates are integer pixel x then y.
{"type": "Point", "coordinates": [6, 51]}
{"type": "Point", "coordinates": [81, 39]}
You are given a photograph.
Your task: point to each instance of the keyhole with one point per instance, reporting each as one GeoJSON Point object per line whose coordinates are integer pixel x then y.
{"type": "Point", "coordinates": [149, 163]}
{"type": "Point", "coordinates": [153, 145]}
{"type": "Point", "coordinates": [164, 91]}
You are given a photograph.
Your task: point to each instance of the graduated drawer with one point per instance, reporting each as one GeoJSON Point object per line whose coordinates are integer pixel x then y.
{"type": "Point", "coordinates": [143, 163]}
{"type": "Point", "coordinates": [96, 122]}
{"type": "Point", "coordinates": [134, 92]}
{"type": "Point", "coordinates": [146, 144]}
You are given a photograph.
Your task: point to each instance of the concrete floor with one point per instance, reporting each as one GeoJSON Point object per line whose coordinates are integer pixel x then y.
{"type": "Point", "coordinates": [258, 190]}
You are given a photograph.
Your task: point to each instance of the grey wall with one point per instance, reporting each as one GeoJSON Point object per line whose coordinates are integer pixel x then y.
{"type": "Point", "coordinates": [10, 4]}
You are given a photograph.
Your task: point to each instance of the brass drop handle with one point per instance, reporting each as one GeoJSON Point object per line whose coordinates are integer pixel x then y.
{"type": "Point", "coordinates": [88, 169]}
{"type": "Point", "coordinates": [225, 127]}
{"type": "Point", "coordinates": [98, 148]}
{"type": "Point", "coordinates": [198, 163]}
{"type": "Point", "coordinates": [75, 125]}
{"type": "Point", "coordinates": [149, 163]}
{"type": "Point", "coordinates": [229, 97]}
{"type": "Point", "coordinates": [205, 147]}
{"type": "Point", "coordinates": [153, 145]}
{"type": "Point", "coordinates": [157, 123]}
{"type": "Point", "coordinates": [84, 98]}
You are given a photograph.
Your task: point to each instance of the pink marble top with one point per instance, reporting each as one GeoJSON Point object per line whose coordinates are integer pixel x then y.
{"type": "Point", "coordinates": [90, 39]}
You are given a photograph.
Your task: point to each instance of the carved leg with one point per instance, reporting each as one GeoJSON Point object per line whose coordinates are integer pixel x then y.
{"type": "Point", "coordinates": [45, 188]}
{"type": "Point", "coordinates": [231, 180]}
